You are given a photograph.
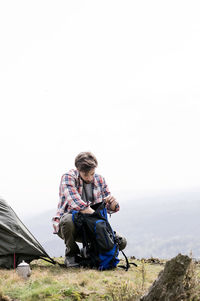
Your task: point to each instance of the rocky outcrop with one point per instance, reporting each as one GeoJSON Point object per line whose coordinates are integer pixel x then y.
{"type": "Point", "coordinates": [173, 283]}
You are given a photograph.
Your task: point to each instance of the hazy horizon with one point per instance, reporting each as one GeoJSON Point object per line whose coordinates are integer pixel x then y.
{"type": "Point", "coordinates": [138, 200]}
{"type": "Point", "coordinates": [159, 228]}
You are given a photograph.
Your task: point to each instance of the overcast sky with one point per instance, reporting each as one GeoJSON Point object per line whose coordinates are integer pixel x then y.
{"type": "Point", "coordinates": [118, 78]}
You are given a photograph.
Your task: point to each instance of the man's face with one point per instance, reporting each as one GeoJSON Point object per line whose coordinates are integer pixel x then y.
{"type": "Point", "coordinates": [87, 176]}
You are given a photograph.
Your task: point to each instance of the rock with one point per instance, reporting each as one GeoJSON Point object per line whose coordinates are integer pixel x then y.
{"type": "Point", "coordinates": [152, 260]}
{"type": "Point", "coordinates": [172, 282]}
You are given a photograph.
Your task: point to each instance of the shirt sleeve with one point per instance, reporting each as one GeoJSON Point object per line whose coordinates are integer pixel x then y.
{"type": "Point", "coordinates": [69, 196]}
{"type": "Point", "coordinates": [106, 191]}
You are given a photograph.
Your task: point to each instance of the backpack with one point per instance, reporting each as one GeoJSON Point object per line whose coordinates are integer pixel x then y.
{"type": "Point", "coordinates": [100, 247]}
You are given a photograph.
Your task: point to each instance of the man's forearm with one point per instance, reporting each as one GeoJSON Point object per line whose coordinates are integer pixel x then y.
{"type": "Point", "coordinates": [87, 210]}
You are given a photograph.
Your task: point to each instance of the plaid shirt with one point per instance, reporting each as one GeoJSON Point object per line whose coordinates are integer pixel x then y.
{"type": "Point", "coordinates": [70, 192]}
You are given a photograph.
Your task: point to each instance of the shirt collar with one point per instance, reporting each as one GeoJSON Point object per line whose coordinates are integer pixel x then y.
{"type": "Point", "coordinates": [79, 178]}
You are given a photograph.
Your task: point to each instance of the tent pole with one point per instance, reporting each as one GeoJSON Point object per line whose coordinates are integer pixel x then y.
{"type": "Point", "coordinates": [51, 260]}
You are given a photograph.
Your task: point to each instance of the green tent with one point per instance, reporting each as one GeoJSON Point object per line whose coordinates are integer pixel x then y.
{"type": "Point", "coordinates": [16, 241]}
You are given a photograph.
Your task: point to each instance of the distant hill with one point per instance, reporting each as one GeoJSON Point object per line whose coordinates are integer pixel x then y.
{"type": "Point", "coordinates": [158, 227]}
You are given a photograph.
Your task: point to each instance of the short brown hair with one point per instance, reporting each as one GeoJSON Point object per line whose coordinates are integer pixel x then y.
{"type": "Point", "coordinates": [85, 161]}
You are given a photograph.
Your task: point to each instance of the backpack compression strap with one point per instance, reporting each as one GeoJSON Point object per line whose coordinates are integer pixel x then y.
{"type": "Point", "coordinates": [127, 263]}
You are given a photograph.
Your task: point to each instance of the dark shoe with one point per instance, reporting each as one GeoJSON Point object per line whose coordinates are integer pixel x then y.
{"type": "Point", "coordinates": [70, 262]}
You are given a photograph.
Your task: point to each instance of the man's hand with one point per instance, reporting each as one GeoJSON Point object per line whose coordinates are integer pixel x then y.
{"type": "Point", "coordinates": [111, 203]}
{"type": "Point", "coordinates": [87, 210]}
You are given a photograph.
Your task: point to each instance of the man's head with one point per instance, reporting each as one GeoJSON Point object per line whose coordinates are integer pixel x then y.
{"type": "Point", "coordinates": [86, 163]}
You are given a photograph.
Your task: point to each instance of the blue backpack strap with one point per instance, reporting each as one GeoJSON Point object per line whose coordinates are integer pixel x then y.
{"type": "Point", "coordinates": [73, 214]}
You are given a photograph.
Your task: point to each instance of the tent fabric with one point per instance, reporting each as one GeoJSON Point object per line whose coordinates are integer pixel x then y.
{"type": "Point", "coordinates": [16, 241]}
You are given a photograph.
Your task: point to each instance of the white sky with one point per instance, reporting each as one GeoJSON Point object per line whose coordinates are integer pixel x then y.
{"type": "Point", "coordinates": [118, 78]}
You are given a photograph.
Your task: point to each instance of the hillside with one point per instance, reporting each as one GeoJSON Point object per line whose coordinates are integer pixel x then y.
{"type": "Point", "coordinates": [159, 227]}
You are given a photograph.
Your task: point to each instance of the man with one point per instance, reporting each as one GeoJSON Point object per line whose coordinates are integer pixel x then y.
{"type": "Point", "coordinates": [79, 189]}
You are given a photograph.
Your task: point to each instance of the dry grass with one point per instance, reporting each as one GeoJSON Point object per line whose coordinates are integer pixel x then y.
{"type": "Point", "coordinates": [48, 282]}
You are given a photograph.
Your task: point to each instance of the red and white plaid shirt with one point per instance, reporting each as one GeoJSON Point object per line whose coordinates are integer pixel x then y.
{"type": "Point", "coordinates": [70, 192]}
